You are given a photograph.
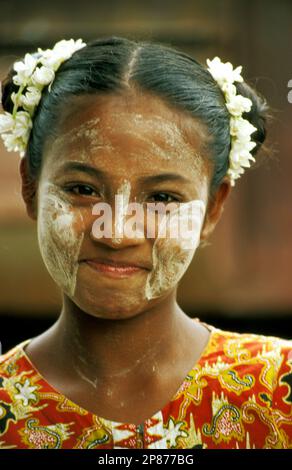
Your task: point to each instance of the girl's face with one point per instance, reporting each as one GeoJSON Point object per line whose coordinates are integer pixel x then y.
{"type": "Point", "coordinates": [118, 150]}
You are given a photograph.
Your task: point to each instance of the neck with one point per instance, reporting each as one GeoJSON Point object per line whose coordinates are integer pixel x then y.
{"type": "Point", "coordinates": [121, 349]}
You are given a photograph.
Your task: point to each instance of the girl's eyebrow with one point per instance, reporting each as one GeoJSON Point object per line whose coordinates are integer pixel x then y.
{"type": "Point", "coordinates": [98, 173]}
{"type": "Point", "coordinates": [82, 167]}
{"type": "Point", "coordinates": [164, 177]}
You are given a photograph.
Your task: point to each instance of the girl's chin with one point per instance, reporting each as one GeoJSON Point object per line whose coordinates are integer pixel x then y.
{"type": "Point", "coordinates": [110, 296]}
{"type": "Point", "coordinates": [118, 310]}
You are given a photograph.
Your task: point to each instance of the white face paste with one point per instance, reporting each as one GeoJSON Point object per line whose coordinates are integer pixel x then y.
{"type": "Point", "coordinates": [172, 256]}
{"type": "Point", "coordinates": [149, 130]}
{"type": "Point", "coordinates": [97, 135]}
{"type": "Point", "coordinates": [90, 132]}
{"type": "Point", "coordinates": [59, 241]}
{"type": "Point", "coordinates": [122, 202]}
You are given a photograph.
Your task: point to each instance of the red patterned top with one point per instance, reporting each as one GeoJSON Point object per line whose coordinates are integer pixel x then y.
{"type": "Point", "coordinates": [237, 395]}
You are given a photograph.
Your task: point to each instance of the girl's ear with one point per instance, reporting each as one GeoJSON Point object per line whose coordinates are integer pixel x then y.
{"type": "Point", "coordinates": [215, 210]}
{"type": "Point", "coordinates": [28, 190]}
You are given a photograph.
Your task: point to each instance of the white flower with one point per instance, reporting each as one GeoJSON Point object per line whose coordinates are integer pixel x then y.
{"type": "Point", "coordinates": [65, 48]}
{"type": "Point", "coordinates": [6, 122]}
{"type": "Point", "coordinates": [23, 123]}
{"type": "Point", "coordinates": [234, 174]}
{"type": "Point", "coordinates": [16, 98]}
{"type": "Point", "coordinates": [229, 90]}
{"type": "Point", "coordinates": [240, 129]}
{"type": "Point", "coordinates": [238, 104]}
{"type": "Point", "coordinates": [16, 140]}
{"type": "Point", "coordinates": [42, 76]}
{"type": "Point", "coordinates": [31, 98]}
{"type": "Point", "coordinates": [32, 75]}
{"type": "Point", "coordinates": [240, 157]}
{"type": "Point", "coordinates": [223, 72]}
{"type": "Point", "coordinates": [175, 430]}
{"type": "Point", "coordinates": [26, 392]}
{"type": "Point", "coordinates": [13, 143]}
{"type": "Point", "coordinates": [53, 62]}
{"type": "Point", "coordinates": [24, 70]}
{"type": "Point", "coordinates": [62, 51]}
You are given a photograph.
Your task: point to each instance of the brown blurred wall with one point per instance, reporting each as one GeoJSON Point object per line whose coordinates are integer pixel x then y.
{"type": "Point", "coordinates": [247, 267]}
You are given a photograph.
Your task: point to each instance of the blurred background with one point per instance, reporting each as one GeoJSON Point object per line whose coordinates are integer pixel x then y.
{"type": "Point", "coordinates": [242, 280]}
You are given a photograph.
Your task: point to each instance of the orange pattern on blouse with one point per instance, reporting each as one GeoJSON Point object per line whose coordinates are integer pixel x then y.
{"type": "Point", "coordinates": [237, 395]}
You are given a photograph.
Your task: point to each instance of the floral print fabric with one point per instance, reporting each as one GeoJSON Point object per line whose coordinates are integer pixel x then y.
{"type": "Point", "coordinates": [237, 395]}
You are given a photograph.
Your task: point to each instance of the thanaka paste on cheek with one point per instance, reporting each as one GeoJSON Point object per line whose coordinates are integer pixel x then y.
{"type": "Point", "coordinates": [59, 237]}
{"type": "Point", "coordinates": [137, 141]}
{"type": "Point", "coordinates": [172, 256]}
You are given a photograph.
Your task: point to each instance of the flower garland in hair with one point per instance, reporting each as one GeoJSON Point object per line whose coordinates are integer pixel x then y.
{"type": "Point", "coordinates": [240, 129]}
{"type": "Point", "coordinates": [33, 74]}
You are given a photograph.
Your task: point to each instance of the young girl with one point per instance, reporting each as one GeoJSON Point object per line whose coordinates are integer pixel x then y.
{"type": "Point", "coordinates": [99, 127]}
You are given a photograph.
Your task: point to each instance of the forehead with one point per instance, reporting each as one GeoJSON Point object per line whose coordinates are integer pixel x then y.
{"type": "Point", "coordinates": [135, 130]}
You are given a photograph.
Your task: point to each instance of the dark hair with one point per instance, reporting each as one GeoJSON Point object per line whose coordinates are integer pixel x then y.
{"type": "Point", "coordinates": [113, 64]}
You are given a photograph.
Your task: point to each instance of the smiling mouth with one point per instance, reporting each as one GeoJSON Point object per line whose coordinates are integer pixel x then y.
{"type": "Point", "coordinates": [116, 271]}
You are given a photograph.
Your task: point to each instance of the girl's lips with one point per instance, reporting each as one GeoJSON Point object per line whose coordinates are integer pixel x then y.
{"type": "Point", "coordinates": [114, 270]}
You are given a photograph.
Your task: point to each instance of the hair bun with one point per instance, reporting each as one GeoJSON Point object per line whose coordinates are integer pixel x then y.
{"type": "Point", "coordinates": [7, 88]}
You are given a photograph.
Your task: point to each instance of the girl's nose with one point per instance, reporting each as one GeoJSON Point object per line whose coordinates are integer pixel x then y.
{"type": "Point", "coordinates": [118, 227]}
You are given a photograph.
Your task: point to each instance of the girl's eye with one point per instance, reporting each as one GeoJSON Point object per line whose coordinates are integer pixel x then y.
{"type": "Point", "coordinates": [84, 190]}
{"type": "Point", "coordinates": [162, 197]}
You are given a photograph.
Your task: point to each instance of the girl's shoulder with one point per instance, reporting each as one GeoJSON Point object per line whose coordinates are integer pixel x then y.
{"type": "Point", "coordinates": [241, 346]}
{"type": "Point", "coordinates": [247, 348]}
{"type": "Point", "coordinates": [13, 354]}
{"type": "Point", "coordinates": [251, 361]}
{"type": "Point", "coordinates": [13, 364]}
